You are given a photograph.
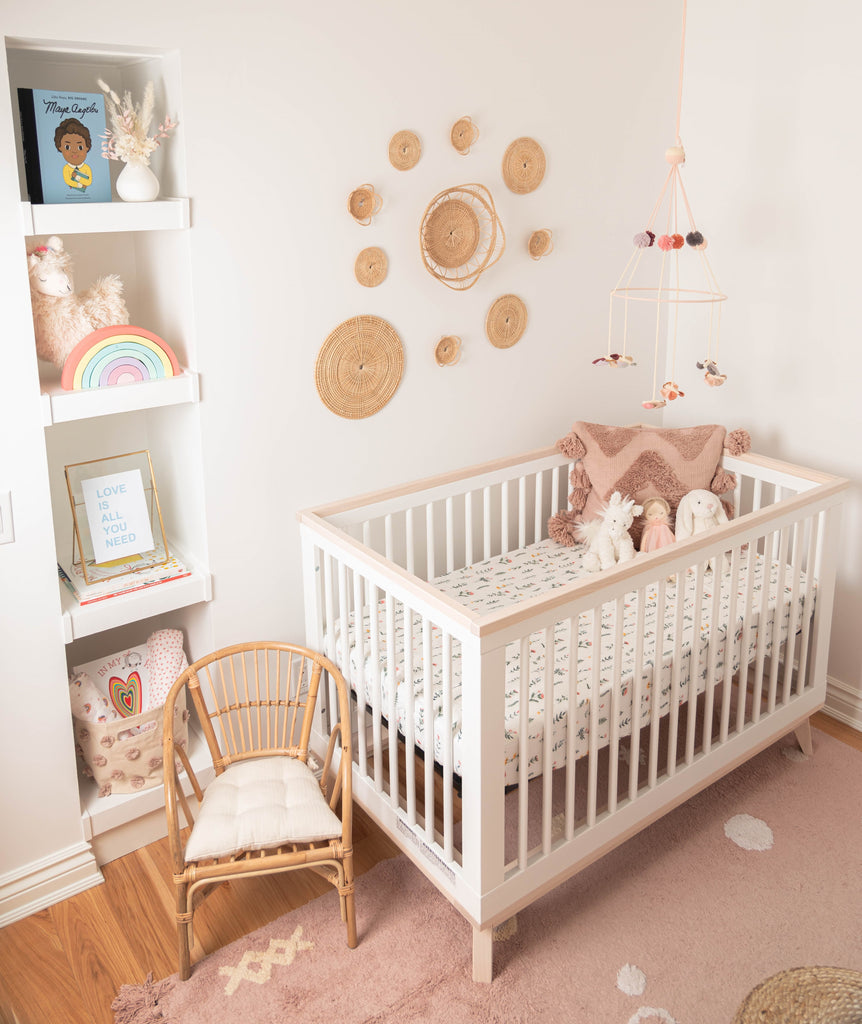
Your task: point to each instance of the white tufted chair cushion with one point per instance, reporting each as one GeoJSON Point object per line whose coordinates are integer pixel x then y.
{"type": "Point", "coordinates": [254, 805]}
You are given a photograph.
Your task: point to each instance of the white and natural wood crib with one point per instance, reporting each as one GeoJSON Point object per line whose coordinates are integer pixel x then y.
{"type": "Point", "coordinates": [456, 620]}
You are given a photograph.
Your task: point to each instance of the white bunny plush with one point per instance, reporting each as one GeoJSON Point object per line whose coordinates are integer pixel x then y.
{"type": "Point", "coordinates": [697, 512]}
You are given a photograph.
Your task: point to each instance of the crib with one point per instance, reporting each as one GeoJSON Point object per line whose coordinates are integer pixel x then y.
{"type": "Point", "coordinates": [515, 718]}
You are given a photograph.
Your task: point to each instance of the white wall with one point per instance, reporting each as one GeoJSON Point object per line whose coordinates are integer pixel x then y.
{"type": "Point", "coordinates": [773, 169]}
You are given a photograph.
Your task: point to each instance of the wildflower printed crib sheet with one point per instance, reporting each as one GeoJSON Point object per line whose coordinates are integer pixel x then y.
{"type": "Point", "coordinates": [538, 569]}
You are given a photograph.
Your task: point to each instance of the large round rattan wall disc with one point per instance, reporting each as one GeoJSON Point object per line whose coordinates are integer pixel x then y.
{"type": "Point", "coordinates": [452, 233]}
{"type": "Point", "coordinates": [404, 150]}
{"type": "Point", "coordinates": [506, 321]}
{"type": "Point", "coordinates": [524, 165]}
{"type": "Point", "coordinates": [371, 266]}
{"type": "Point", "coordinates": [359, 367]}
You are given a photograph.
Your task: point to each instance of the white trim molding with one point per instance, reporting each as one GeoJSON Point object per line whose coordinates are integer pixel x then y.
{"type": "Point", "coordinates": [843, 702]}
{"type": "Point", "coordinates": [47, 881]}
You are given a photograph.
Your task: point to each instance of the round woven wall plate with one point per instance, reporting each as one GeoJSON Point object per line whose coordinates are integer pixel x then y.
{"type": "Point", "coordinates": [524, 165]}
{"type": "Point", "coordinates": [506, 321]}
{"type": "Point", "coordinates": [461, 235]}
{"type": "Point", "coordinates": [359, 367]}
{"type": "Point", "coordinates": [371, 267]}
{"type": "Point", "coordinates": [363, 203]}
{"type": "Point", "coordinates": [404, 150]}
{"type": "Point", "coordinates": [448, 350]}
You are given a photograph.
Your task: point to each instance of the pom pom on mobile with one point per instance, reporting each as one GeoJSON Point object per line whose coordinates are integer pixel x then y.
{"type": "Point", "coordinates": [121, 354]}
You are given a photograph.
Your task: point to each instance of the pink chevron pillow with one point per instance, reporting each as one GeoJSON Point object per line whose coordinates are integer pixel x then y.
{"type": "Point", "coordinates": [642, 462]}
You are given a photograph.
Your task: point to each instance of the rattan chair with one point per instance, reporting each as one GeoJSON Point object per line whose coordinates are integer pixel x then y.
{"type": "Point", "coordinates": [264, 811]}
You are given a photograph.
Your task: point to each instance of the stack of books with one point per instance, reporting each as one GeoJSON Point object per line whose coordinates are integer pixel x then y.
{"type": "Point", "coordinates": [102, 589]}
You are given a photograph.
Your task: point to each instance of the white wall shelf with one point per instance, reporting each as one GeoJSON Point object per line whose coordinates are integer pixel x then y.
{"type": "Point", "coordinates": [62, 219]}
{"type": "Point", "coordinates": [60, 406]}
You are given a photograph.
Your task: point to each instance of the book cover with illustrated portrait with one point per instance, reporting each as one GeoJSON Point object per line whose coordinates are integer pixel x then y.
{"type": "Point", "coordinates": [62, 135]}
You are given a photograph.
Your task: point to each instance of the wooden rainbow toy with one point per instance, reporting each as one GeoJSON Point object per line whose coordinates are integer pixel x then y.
{"type": "Point", "coordinates": [121, 354]}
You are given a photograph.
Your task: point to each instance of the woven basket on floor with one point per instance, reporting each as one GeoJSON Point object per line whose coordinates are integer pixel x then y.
{"type": "Point", "coordinates": [404, 150]}
{"type": "Point", "coordinates": [359, 366]}
{"type": "Point", "coordinates": [461, 235]}
{"type": "Point", "coordinates": [506, 321]}
{"type": "Point", "coordinates": [805, 995]}
{"type": "Point", "coordinates": [524, 165]}
{"type": "Point", "coordinates": [371, 267]}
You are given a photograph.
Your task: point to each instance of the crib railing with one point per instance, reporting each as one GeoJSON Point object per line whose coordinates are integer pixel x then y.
{"type": "Point", "coordinates": [663, 711]}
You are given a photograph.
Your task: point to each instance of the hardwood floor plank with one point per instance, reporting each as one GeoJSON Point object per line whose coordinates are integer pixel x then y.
{"type": "Point", "coordinates": [37, 985]}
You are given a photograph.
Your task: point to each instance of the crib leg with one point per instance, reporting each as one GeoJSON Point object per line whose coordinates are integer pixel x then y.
{"type": "Point", "coordinates": [483, 954]}
{"type": "Point", "coordinates": [803, 738]}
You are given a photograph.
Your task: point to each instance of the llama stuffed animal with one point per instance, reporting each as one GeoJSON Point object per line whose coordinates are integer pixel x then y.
{"type": "Point", "coordinates": [608, 540]}
{"type": "Point", "coordinates": [61, 318]}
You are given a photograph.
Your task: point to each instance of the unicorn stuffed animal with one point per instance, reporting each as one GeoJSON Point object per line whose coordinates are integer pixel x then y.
{"type": "Point", "coordinates": [62, 318]}
{"type": "Point", "coordinates": [608, 540]}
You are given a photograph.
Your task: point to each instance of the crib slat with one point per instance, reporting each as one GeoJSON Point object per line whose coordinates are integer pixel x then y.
{"type": "Point", "coordinates": [745, 642]}
{"type": "Point", "coordinates": [410, 711]}
{"type": "Point", "coordinates": [468, 528]}
{"type": "Point", "coordinates": [712, 656]}
{"type": "Point", "coordinates": [694, 668]}
{"type": "Point", "coordinates": [504, 518]}
{"type": "Point", "coordinates": [431, 571]}
{"type": "Point", "coordinates": [330, 612]}
{"type": "Point", "coordinates": [571, 722]}
{"type": "Point", "coordinates": [410, 539]}
{"type": "Point", "coordinates": [637, 693]}
{"type": "Point", "coordinates": [448, 753]}
{"type": "Point", "coordinates": [450, 536]}
{"type": "Point", "coordinates": [523, 747]}
{"type": "Point", "coordinates": [522, 512]}
{"type": "Point", "coordinates": [595, 698]}
{"type": "Point", "coordinates": [548, 738]}
{"type": "Point", "coordinates": [777, 616]}
{"type": "Point", "coordinates": [344, 626]}
{"type": "Point", "coordinates": [428, 719]}
{"type": "Point", "coordinates": [376, 724]}
{"type": "Point", "coordinates": [359, 647]}
{"type": "Point", "coordinates": [392, 673]}
{"type": "Point", "coordinates": [808, 601]}
{"type": "Point", "coordinates": [614, 712]}
{"type": "Point", "coordinates": [486, 520]}
{"type": "Point", "coordinates": [673, 707]}
{"type": "Point", "coordinates": [555, 497]}
{"type": "Point", "coordinates": [657, 675]}
{"type": "Point", "coordinates": [387, 536]}
{"type": "Point", "coordinates": [762, 621]}
{"type": "Point", "coordinates": [790, 643]}
{"type": "Point", "coordinates": [729, 643]}
{"type": "Point", "coordinates": [538, 505]}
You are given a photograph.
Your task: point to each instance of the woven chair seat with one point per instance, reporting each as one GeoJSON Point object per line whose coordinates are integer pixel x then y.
{"type": "Point", "coordinates": [805, 995]}
{"type": "Point", "coordinates": [260, 804]}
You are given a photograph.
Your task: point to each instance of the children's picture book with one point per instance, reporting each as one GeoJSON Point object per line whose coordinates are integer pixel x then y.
{"type": "Point", "coordinates": [108, 586]}
{"type": "Point", "coordinates": [62, 135]}
{"type": "Point", "coordinates": [124, 678]}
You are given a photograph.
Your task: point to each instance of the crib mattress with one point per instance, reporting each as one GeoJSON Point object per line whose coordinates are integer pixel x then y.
{"type": "Point", "coordinates": [538, 569]}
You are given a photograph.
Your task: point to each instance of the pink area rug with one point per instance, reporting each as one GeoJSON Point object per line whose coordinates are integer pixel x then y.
{"type": "Point", "coordinates": [758, 874]}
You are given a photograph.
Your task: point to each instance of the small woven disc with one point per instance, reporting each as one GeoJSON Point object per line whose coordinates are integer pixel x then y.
{"type": "Point", "coordinates": [371, 266]}
{"type": "Point", "coordinates": [451, 233]}
{"type": "Point", "coordinates": [359, 367]}
{"type": "Point", "coordinates": [404, 150]}
{"type": "Point", "coordinates": [448, 350]}
{"type": "Point", "coordinates": [464, 133]}
{"type": "Point", "coordinates": [524, 165]}
{"type": "Point", "coordinates": [540, 243]}
{"type": "Point", "coordinates": [804, 995]}
{"type": "Point", "coordinates": [506, 321]}
{"type": "Point", "coordinates": [363, 203]}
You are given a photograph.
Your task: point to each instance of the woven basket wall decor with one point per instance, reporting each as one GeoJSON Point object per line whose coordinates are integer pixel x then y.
{"type": "Point", "coordinates": [363, 203]}
{"type": "Point", "coordinates": [523, 165]}
{"type": "Point", "coordinates": [371, 267]}
{"type": "Point", "coordinates": [506, 321]}
{"type": "Point", "coordinates": [359, 367]}
{"type": "Point", "coordinates": [461, 235]}
{"type": "Point", "coordinates": [464, 133]}
{"type": "Point", "coordinates": [404, 150]}
{"type": "Point", "coordinates": [540, 243]}
{"type": "Point", "coordinates": [448, 350]}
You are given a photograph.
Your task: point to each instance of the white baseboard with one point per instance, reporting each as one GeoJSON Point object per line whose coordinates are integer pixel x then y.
{"type": "Point", "coordinates": [843, 703]}
{"type": "Point", "coordinates": [47, 881]}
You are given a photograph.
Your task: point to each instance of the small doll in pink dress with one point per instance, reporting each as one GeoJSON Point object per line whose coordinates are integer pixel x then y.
{"type": "Point", "coordinates": [656, 532]}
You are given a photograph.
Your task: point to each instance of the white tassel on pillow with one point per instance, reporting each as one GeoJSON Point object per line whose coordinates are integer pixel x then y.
{"type": "Point", "coordinates": [697, 512]}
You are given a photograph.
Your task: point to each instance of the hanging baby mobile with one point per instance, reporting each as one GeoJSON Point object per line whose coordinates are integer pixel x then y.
{"type": "Point", "coordinates": [670, 253]}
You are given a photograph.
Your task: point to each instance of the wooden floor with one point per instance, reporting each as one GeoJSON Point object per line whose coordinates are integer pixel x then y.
{"type": "Point", "coordinates": [64, 965]}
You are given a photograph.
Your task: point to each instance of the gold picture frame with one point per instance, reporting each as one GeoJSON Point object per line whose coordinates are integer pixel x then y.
{"type": "Point", "coordinates": [118, 496]}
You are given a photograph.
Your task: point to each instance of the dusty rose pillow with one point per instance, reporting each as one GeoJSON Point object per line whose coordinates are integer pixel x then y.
{"type": "Point", "coordinates": [641, 462]}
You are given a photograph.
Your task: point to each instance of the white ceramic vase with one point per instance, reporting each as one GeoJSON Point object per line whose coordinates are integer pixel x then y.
{"type": "Point", "coordinates": [137, 184]}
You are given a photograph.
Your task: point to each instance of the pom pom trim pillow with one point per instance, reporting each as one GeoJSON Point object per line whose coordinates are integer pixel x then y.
{"type": "Point", "coordinates": [643, 462]}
